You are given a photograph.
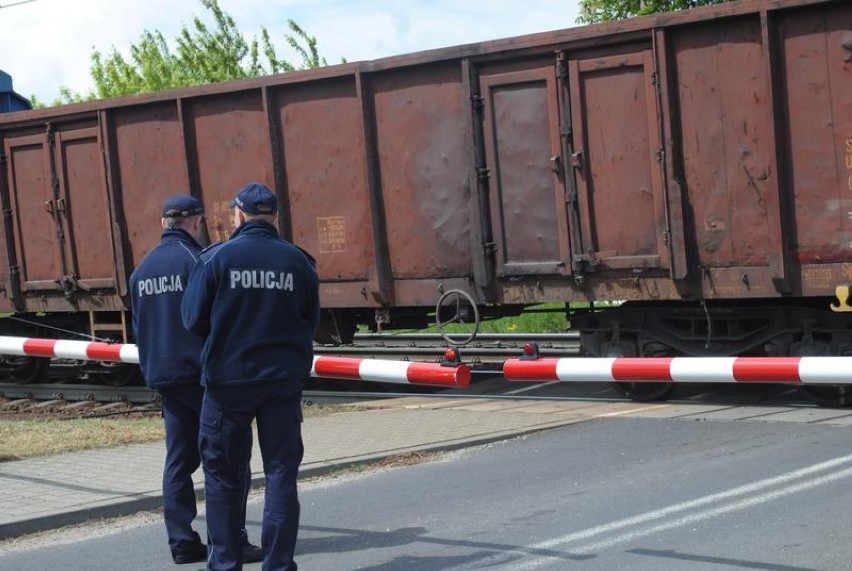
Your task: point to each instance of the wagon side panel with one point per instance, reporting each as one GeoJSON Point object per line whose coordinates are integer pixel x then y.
{"type": "Point", "coordinates": [727, 143]}
{"type": "Point", "coordinates": [816, 58]}
{"type": "Point", "coordinates": [148, 165]}
{"type": "Point", "coordinates": [228, 146]}
{"type": "Point", "coordinates": [324, 159]}
{"type": "Point", "coordinates": [422, 136]}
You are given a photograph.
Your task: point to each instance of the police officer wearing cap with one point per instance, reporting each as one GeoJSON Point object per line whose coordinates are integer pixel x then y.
{"type": "Point", "coordinates": [170, 360]}
{"type": "Point", "coordinates": [255, 301]}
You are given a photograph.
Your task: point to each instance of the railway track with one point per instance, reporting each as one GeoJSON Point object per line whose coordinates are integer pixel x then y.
{"type": "Point", "coordinates": [76, 393]}
{"type": "Point", "coordinates": [66, 383]}
{"type": "Point", "coordinates": [484, 354]}
{"type": "Point", "coordinates": [487, 349]}
{"type": "Point", "coordinates": [487, 353]}
{"type": "Point", "coordinates": [116, 400]}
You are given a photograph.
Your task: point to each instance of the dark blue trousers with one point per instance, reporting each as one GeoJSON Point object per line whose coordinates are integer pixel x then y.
{"type": "Point", "coordinates": [181, 416]}
{"type": "Point", "coordinates": [226, 417]}
{"type": "Point", "coordinates": [181, 412]}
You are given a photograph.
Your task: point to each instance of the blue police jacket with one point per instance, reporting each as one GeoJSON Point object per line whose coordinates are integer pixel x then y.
{"type": "Point", "coordinates": [168, 353]}
{"type": "Point", "coordinates": [255, 298]}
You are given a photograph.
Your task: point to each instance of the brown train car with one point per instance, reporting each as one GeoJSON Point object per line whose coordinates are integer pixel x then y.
{"type": "Point", "coordinates": [696, 165]}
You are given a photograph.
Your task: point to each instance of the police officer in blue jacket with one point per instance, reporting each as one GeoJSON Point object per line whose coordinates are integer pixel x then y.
{"type": "Point", "coordinates": [255, 301]}
{"type": "Point", "coordinates": [170, 359]}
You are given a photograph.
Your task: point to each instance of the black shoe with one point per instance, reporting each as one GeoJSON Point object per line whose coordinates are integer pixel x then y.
{"type": "Point", "coordinates": [252, 553]}
{"type": "Point", "coordinates": [192, 553]}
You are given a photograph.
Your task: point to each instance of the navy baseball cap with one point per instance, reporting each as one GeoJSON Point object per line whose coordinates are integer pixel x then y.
{"type": "Point", "coordinates": [255, 198]}
{"type": "Point", "coordinates": [182, 206]}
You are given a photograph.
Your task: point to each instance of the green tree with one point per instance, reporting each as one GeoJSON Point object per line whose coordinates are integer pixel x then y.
{"type": "Point", "coordinates": [595, 11]}
{"type": "Point", "coordinates": [201, 54]}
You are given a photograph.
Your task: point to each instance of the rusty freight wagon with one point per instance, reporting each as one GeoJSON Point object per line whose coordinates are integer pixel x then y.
{"type": "Point", "coordinates": [696, 165]}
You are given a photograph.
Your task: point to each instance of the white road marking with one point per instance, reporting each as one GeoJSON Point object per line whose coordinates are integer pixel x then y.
{"type": "Point", "coordinates": [633, 410]}
{"type": "Point", "coordinates": [787, 480]}
{"type": "Point", "coordinates": [529, 388]}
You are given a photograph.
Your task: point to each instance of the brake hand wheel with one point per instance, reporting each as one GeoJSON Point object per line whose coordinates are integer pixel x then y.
{"type": "Point", "coordinates": [457, 307]}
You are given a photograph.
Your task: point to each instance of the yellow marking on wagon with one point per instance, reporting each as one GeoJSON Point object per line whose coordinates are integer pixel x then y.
{"type": "Point", "coordinates": [842, 293]}
{"type": "Point", "coordinates": [332, 234]}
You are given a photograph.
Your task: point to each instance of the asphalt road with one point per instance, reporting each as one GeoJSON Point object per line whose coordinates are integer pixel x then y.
{"type": "Point", "coordinates": [639, 494]}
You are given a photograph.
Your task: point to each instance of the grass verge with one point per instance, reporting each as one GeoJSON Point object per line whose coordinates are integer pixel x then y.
{"type": "Point", "coordinates": [40, 437]}
{"type": "Point", "coordinates": [27, 438]}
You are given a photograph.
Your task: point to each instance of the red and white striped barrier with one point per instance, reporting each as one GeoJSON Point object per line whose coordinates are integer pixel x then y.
{"type": "Point", "coordinates": [793, 370]}
{"type": "Point", "coordinates": [62, 349]}
{"type": "Point", "coordinates": [433, 374]}
{"type": "Point", "coordinates": [385, 371]}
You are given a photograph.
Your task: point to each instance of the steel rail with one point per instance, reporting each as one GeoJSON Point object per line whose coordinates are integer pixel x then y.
{"type": "Point", "coordinates": [76, 393]}
{"type": "Point", "coordinates": [483, 337]}
{"type": "Point", "coordinates": [486, 348]}
{"type": "Point", "coordinates": [143, 395]}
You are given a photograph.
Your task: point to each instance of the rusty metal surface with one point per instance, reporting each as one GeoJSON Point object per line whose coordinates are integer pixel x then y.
{"type": "Point", "coordinates": [818, 73]}
{"type": "Point", "coordinates": [421, 132]}
{"type": "Point", "coordinates": [324, 161]}
{"type": "Point", "coordinates": [711, 152]}
{"type": "Point", "coordinates": [85, 215]}
{"type": "Point", "coordinates": [150, 165]}
{"type": "Point", "coordinates": [30, 192]}
{"type": "Point", "coordinates": [522, 150]}
{"type": "Point", "coordinates": [725, 135]}
{"type": "Point", "coordinates": [674, 213]}
{"type": "Point", "coordinates": [548, 289]}
{"type": "Point", "coordinates": [228, 142]}
{"type": "Point", "coordinates": [619, 178]}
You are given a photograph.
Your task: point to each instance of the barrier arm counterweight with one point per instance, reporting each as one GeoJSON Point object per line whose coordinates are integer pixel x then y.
{"type": "Point", "coordinates": [386, 371]}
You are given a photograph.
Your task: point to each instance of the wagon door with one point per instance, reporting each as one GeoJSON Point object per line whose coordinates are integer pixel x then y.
{"type": "Point", "coordinates": [33, 209]}
{"type": "Point", "coordinates": [89, 261]}
{"type": "Point", "coordinates": [522, 146]}
{"type": "Point", "coordinates": [60, 249]}
{"type": "Point", "coordinates": [617, 162]}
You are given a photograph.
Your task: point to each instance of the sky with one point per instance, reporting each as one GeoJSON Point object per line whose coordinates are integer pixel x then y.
{"type": "Point", "coordinates": [45, 44]}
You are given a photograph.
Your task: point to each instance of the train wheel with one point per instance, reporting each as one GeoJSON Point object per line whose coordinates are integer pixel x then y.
{"type": "Point", "coordinates": [26, 370]}
{"type": "Point", "coordinates": [828, 395]}
{"type": "Point", "coordinates": [335, 329]}
{"type": "Point", "coordinates": [646, 392]}
{"type": "Point", "coordinates": [121, 375]}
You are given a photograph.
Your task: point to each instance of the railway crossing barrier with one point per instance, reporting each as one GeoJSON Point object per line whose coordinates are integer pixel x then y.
{"type": "Point", "coordinates": [386, 371]}
{"type": "Point", "coordinates": [789, 370]}
{"type": "Point", "coordinates": [66, 349]}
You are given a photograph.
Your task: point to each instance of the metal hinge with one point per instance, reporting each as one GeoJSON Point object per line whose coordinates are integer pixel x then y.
{"type": "Point", "coordinates": [591, 259]}
{"type": "Point", "coordinates": [561, 69]}
{"type": "Point", "coordinates": [660, 155]}
{"type": "Point", "coordinates": [478, 102]}
{"type": "Point", "coordinates": [483, 173]}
